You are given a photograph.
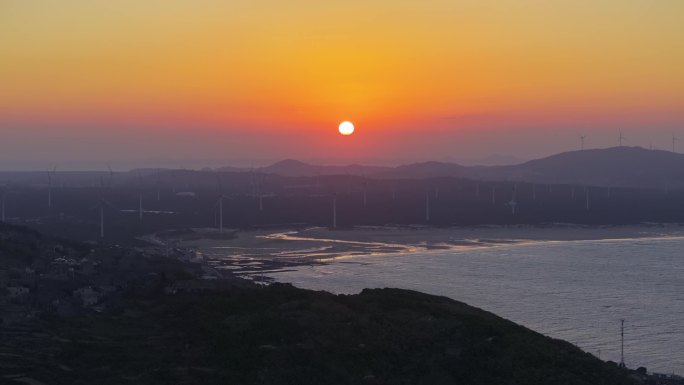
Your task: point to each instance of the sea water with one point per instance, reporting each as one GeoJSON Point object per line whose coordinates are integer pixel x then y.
{"type": "Point", "coordinates": [578, 291]}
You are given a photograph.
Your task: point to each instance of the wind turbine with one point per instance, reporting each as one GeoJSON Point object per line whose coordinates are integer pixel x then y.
{"type": "Point", "coordinates": [111, 176]}
{"type": "Point", "coordinates": [219, 204]}
{"type": "Point", "coordinates": [140, 198]}
{"type": "Point", "coordinates": [427, 207]}
{"type": "Point", "coordinates": [256, 180]}
{"type": "Point", "coordinates": [101, 205]}
{"type": "Point", "coordinates": [334, 218]}
{"type": "Point", "coordinates": [586, 193]}
{"type": "Point", "coordinates": [140, 207]}
{"type": "Point", "coordinates": [622, 343]}
{"type": "Point", "coordinates": [158, 186]}
{"type": "Point", "coordinates": [365, 194]}
{"type": "Point", "coordinates": [49, 175]}
{"type": "Point", "coordinates": [620, 138]}
{"type": "Point", "coordinates": [252, 181]}
{"type": "Point", "coordinates": [582, 137]}
{"type": "Point", "coordinates": [513, 202]}
{"type": "Point", "coordinates": [2, 199]}
{"type": "Point", "coordinates": [674, 139]}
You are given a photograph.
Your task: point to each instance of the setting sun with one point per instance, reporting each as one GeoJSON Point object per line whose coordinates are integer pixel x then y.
{"type": "Point", "coordinates": [346, 128]}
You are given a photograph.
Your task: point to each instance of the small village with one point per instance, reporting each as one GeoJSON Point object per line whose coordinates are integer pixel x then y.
{"type": "Point", "coordinates": [66, 279]}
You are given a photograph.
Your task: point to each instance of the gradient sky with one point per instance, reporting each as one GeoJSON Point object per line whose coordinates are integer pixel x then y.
{"type": "Point", "coordinates": [84, 83]}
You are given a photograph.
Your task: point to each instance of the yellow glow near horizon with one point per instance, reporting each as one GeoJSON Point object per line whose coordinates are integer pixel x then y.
{"type": "Point", "coordinates": [284, 65]}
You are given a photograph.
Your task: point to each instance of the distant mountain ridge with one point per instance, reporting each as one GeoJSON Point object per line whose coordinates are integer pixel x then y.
{"type": "Point", "coordinates": [615, 166]}
{"type": "Point", "coordinates": [608, 167]}
{"type": "Point", "coordinates": [291, 167]}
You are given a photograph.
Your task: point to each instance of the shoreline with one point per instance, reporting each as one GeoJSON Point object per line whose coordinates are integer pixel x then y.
{"type": "Point", "coordinates": [285, 250]}
{"type": "Point", "coordinates": [249, 254]}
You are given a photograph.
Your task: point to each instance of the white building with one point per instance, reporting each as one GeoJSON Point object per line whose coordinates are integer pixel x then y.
{"type": "Point", "coordinates": [17, 291]}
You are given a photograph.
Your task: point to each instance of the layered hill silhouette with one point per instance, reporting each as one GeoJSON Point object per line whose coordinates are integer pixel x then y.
{"type": "Point", "coordinates": [616, 167]}
{"type": "Point", "coordinates": [295, 168]}
{"type": "Point", "coordinates": [610, 167]}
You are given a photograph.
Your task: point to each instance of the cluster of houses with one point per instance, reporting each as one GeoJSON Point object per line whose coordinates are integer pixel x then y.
{"type": "Point", "coordinates": [39, 275]}
{"type": "Point", "coordinates": [63, 281]}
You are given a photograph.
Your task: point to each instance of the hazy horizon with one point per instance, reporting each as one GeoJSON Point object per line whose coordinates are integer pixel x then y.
{"type": "Point", "coordinates": [131, 84]}
{"type": "Point", "coordinates": [104, 157]}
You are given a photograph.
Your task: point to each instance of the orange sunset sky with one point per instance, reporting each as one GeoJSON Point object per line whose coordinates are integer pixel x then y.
{"type": "Point", "coordinates": [206, 82]}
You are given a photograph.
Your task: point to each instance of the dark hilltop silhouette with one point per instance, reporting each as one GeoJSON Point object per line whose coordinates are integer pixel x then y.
{"type": "Point", "coordinates": [113, 315]}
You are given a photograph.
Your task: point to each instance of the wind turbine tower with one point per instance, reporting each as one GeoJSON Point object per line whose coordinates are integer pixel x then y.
{"type": "Point", "coordinates": [586, 193]}
{"type": "Point", "coordinates": [219, 203]}
{"type": "Point", "coordinates": [427, 207]}
{"type": "Point", "coordinates": [365, 194]}
{"type": "Point", "coordinates": [101, 221]}
{"type": "Point", "coordinates": [140, 198]}
{"type": "Point", "coordinates": [49, 174]}
{"type": "Point", "coordinates": [158, 186]}
{"type": "Point", "coordinates": [674, 139]}
{"type": "Point", "coordinates": [140, 207]}
{"type": "Point", "coordinates": [334, 224]}
{"type": "Point", "coordinates": [111, 176]}
{"type": "Point", "coordinates": [622, 343]}
{"type": "Point", "coordinates": [4, 197]}
{"type": "Point", "coordinates": [582, 137]}
{"type": "Point", "coordinates": [101, 205]}
{"type": "Point", "coordinates": [513, 202]}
